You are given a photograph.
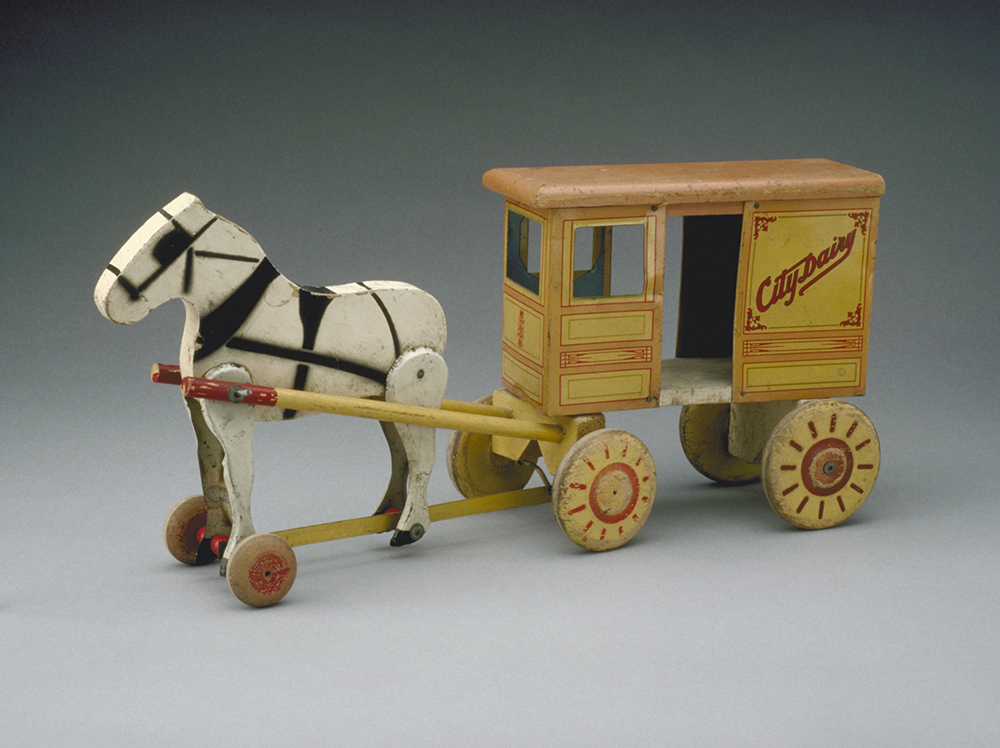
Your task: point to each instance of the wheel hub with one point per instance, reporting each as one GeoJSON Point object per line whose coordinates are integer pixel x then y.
{"type": "Point", "coordinates": [614, 493]}
{"type": "Point", "coordinates": [268, 573]}
{"type": "Point", "coordinates": [827, 467]}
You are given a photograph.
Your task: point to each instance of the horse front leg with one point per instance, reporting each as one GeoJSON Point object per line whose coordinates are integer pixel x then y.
{"type": "Point", "coordinates": [232, 425]}
{"type": "Point", "coordinates": [213, 484]}
{"type": "Point", "coordinates": [418, 377]}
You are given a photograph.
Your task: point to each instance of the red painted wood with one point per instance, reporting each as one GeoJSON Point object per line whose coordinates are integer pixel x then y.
{"type": "Point", "coordinates": [165, 374]}
{"type": "Point", "coordinates": [210, 389]}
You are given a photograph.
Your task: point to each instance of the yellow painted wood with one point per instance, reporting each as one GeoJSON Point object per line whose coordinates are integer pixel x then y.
{"type": "Point", "coordinates": [573, 427]}
{"type": "Point", "coordinates": [820, 463]}
{"type": "Point", "coordinates": [607, 327]}
{"type": "Point", "coordinates": [523, 329]}
{"type": "Point", "coordinates": [350, 528]}
{"type": "Point", "coordinates": [522, 377]}
{"type": "Point", "coordinates": [751, 426]}
{"type": "Point", "coordinates": [492, 503]}
{"type": "Point", "coordinates": [604, 490]}
{"type": "Point", "coordinates": [476, 469]}
{"type": "Point", "coordinates": [813, 347]}
{"type": "Point", "coordinates": [803, 302]}
{"type": "Point", "coordinates": [551, 339]}
{"type": "Point", "coordinates": [597, 388]}
{"type": "Point", "coordinates": [704, 432]}
{"type": "Point", "coordinates": [478, 408]}
{"type": "Point", "coordinates": [346, 528]}
{"type": "Point", "coordinates": [415, 415]}
{"type": "Point", "coordinates": [576, 381]}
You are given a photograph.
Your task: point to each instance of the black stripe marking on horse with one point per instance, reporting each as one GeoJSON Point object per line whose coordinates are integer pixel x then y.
{"type": "Point", "coordinates": [388, 318]}
{"type": "Point", "coordinates": [168, 249]}
{"type": "Point", "coordinates": [307, 357]}
{"type": "Point", "coordinates": [172, 245]}
{"type": "Point", "coordinates": [301, 375]}
{"type": "Point", "coordinates": [221, 324]}
{"type": "Point", "coordinates": [223, 256]}
{"type": "Point", "coordinates": [188, 270]}
{"type": "Point", "coordinates": [312, 307]}
{"type": "Point", "coordinates": [132, 291]}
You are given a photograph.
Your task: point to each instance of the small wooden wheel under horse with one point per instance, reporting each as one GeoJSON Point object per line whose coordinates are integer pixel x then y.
{"type": "Point", "coordinates": [261, 570]}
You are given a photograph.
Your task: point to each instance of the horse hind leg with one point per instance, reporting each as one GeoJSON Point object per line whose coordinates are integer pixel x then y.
{"type": "Point", "coordinates": [395, 493]}
{"type": "Point", "coordinates": [232, 425]}
{"type": "Point", "coordinates": [419, 377]}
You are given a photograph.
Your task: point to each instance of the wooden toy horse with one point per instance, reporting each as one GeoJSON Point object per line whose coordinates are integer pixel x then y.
{"type": "Point", "coordinates": [248, 323]}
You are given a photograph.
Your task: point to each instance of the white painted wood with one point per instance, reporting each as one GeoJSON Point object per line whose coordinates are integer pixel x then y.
{"type": "Point", "coordinates": [232, 425]}
{"type": "Point", "coordinates": [417, 378]}
{"type": "Point", "coordinates": [693, 381]}
{"type": "Point", "coordinates": [240, 311]}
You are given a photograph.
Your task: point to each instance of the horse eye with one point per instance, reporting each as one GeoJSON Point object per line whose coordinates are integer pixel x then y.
{"type": "Point", "coordinates": [171, 245]}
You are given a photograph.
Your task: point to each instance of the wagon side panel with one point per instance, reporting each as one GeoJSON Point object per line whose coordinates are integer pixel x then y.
{"type": "Point", "coordinates": [525, 293]}
{"type": "Point", "coordinates": [606, 341]}
{"type": "Point", "coordinates": [804, 295]}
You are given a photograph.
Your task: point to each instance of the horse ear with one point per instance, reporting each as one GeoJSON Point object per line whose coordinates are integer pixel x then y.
{"type": "Point", "coordinates": [180, 203]}
{"type": "Point", "coordinates": [188, 212]}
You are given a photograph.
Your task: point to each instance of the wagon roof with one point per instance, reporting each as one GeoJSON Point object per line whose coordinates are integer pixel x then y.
{"type": "Point", "coordinates": [712, 182]}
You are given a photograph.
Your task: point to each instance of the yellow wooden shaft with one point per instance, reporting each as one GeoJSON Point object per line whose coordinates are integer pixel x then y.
{"type": "Point", "coordinates": [482, 409]}
{"type": "Point", "coordinates": [416, 415]}
{"type": "Point", "coordinates": [351, 528]}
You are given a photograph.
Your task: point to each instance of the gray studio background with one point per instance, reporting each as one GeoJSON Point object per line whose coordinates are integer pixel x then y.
{"type": "Point", "coordinates": [351, 143]}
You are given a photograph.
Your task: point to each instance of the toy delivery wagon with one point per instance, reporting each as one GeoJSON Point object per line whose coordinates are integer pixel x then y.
{"type": "Point", "coordinates": [776, 266]}
{"type": "Point", "coordinates": [777, 260]}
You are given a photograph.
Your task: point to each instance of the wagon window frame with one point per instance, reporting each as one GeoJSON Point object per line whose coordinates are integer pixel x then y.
{"type": "Point", "coordinates": [572, 275]}
{"type": "Point", "coordinates": [529, 243]}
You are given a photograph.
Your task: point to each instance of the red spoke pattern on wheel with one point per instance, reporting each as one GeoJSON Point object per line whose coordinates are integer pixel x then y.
{"type": "Point", "coordinates": [814, 478]}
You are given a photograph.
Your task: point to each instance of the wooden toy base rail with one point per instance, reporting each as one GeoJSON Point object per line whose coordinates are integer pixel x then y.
{"type": "Point", "coordinates": [453, 414]}
{"type": "Point", "coordinates": [351, 528]}
{"type": "Point", "coordinates": [267, 559]}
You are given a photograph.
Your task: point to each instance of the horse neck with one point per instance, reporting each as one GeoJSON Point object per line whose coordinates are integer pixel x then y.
{"type": "Point", "coordinates": [216, 311]}
{"type": "Point", "coordinates": [232, 267]}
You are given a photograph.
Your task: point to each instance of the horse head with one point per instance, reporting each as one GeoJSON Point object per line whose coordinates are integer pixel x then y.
{"type": "Point", "coordinates": [158, 263]}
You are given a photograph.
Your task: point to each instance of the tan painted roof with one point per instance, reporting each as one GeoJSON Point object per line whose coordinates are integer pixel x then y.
{"type": "Point", "coordinates": [655, 184]}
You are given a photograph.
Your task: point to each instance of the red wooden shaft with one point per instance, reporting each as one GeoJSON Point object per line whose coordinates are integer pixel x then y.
{"type": "Point", "coordinates": [210, 389]}
{"type": "Point", "coordinates": [166, 374]}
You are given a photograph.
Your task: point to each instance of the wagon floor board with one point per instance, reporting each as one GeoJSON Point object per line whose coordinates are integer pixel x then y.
{"type": "Point", "coordinates": [686, 381]}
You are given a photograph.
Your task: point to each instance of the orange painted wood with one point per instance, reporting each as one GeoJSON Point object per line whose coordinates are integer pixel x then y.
{"type": "Point", "coordinates": [658, 184]}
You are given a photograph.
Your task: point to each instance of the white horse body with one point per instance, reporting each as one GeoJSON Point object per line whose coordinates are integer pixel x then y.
{"type": "Point", "coordinates": [246, 322]}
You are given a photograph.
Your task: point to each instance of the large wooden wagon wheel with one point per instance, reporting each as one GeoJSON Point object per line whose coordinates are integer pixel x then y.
{"type": "Point", "coordinates": [476, 470]}
{"type": "Point", "coordinates": [604, 489]}
{"type": "Point", "coordinates": [704, 432]}
{"type": "Point", "coordinates": [820, 463]}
